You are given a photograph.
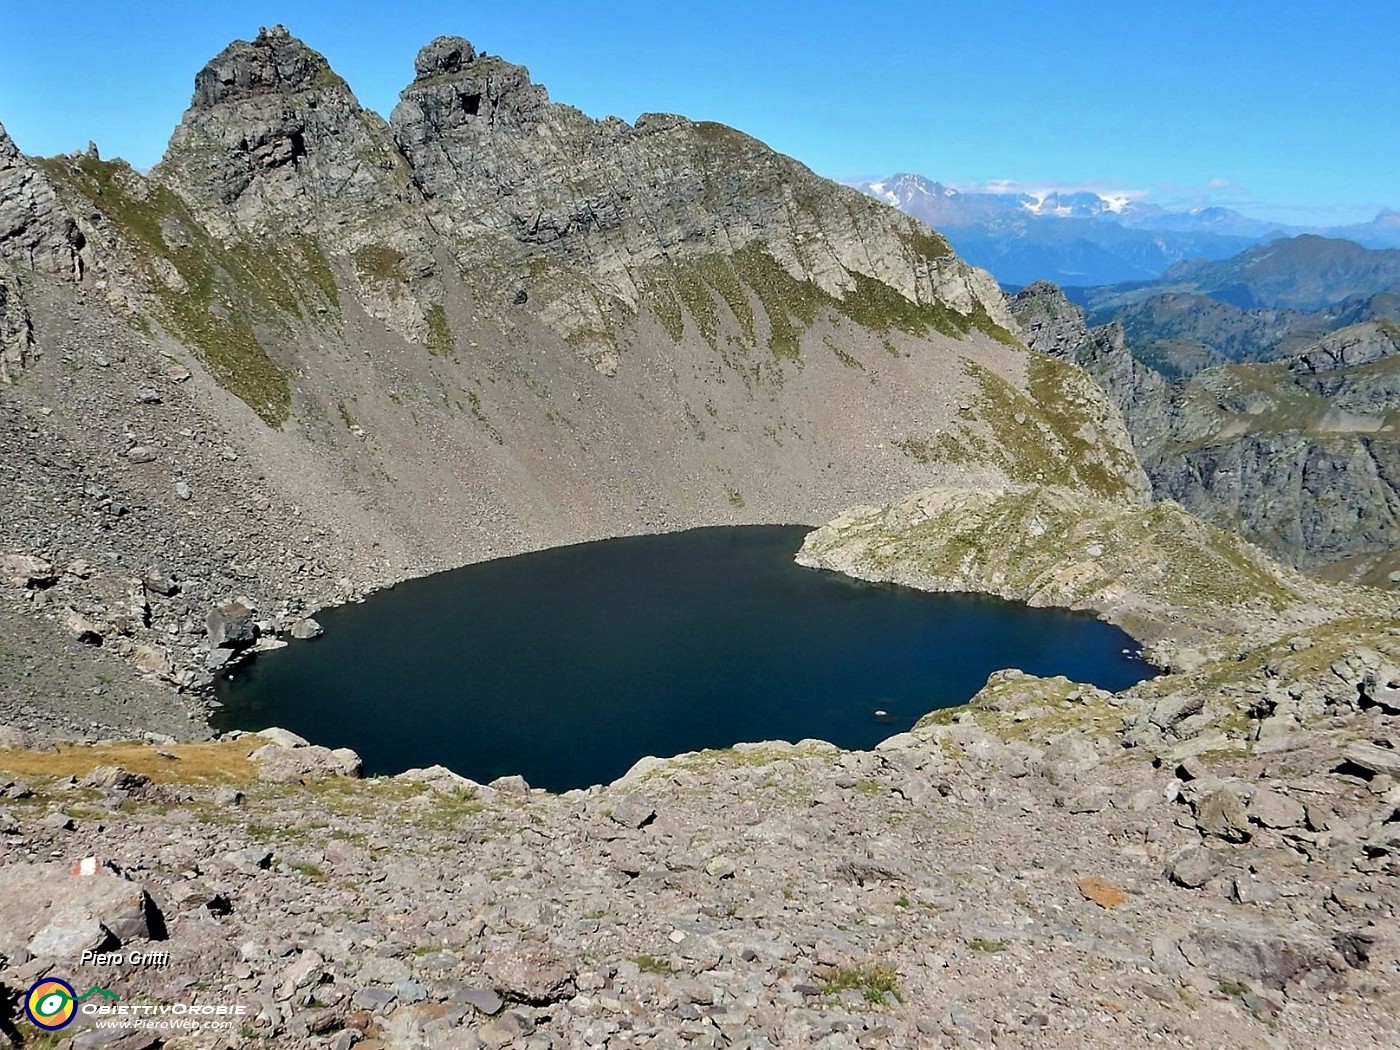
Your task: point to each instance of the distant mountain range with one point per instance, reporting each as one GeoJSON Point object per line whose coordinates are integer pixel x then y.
{"type": "Point", "coordinates": [1087, 239]}
{"type": "Point", "coordinates": [1302, 273]}
{"type": "Point", "coordinates": [1266, 303]}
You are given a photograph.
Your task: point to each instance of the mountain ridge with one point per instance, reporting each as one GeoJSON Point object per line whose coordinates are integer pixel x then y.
{"type": "Point", "coordinates": [1267, 303]}
{"type": "Point", "coordinates": [462, 151]}
{"type": "Point", "coordinates": [390, 370]}
{"type": "Point", "coordinates": [1298, 453]}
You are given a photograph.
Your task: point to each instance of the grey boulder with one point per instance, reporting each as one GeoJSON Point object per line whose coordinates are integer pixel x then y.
{"type": "Point", "coordinates": [55, 914]}
{"type": "Point", "coordinates": [231, 626]}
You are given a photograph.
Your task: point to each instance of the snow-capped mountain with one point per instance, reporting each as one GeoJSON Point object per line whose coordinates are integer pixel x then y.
{"type": "Point", "coordinates": [1086, 238]}
{"type": "Point", "coordinates": [1080, 238]}
{"type": "Point", "coordinates": [903, 189]}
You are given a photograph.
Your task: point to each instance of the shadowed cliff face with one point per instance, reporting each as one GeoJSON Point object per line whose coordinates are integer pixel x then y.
{"type": "Point", "coordinates": [1301, 455]}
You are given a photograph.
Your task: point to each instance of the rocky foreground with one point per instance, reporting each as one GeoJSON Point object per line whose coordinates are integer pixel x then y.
{"type": "Point", "coordinates": [1207, 860]}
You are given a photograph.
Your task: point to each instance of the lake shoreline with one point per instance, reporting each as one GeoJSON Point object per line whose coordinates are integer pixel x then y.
{"type": "Point", "coordinates": [721, 619]}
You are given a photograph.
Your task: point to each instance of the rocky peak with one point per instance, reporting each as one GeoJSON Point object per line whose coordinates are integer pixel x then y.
{"type": "Point", "coordinates": [1357, 344]}
{"type": "Point", "coordinates": [276, 146]}
{"type": "Point", "coordinates": [36, 231]}
{"type": "Point", "coordinates": [497, 160]}
{"type": "Point", "coordinates": [274, 137]}
{"type": "Point", "coordinates": [444, 56]}
{"type": "Point", "coordinates": [457, 91]}
{"type": "Point", "coordinates": [274, 62]}
{"type": "Point", "coordinates": [1050, 323]}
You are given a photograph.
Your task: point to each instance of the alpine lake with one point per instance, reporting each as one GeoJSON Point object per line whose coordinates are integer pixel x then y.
{"type": "Point", "coordinates": [568, 665]}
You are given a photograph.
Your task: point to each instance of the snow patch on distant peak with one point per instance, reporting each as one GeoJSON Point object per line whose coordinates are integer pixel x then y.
{"type": "Point", "coordinates": [904, 188]}
{"type": "Point", "coordinates": [1046, 204]}
{"type": "Point", "coordinates": [881, 191]}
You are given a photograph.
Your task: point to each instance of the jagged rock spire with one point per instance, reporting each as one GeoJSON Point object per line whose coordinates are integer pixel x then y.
{"type": "Point", "coordinates": [275, 145]}
{"type": "Point", "coordinates": [457, 94]}
{"type": "Point", "coordinates": [274, 134]}
{"type": "Point", "coordinates": [445, 55]}
{"type": "Point", "coordinates": [274, 62]}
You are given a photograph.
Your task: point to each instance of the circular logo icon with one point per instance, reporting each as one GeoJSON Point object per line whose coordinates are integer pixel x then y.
{"type": "Point", "coordinates": [51, 1004]}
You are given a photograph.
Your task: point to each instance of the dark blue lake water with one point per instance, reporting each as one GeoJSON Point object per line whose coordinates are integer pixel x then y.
{"type": "Point", "coordinates": [568, 665]}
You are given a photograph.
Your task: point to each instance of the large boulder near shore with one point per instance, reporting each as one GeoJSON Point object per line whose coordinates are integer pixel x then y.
{"type": "Point", "coordinates": [305, 630]}
{"type": "Point", "coordinates": [231, 626]}
{"type": "Point", "coordinates": [289, 758]}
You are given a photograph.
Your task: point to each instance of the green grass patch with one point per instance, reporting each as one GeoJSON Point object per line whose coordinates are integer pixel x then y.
{"type": "Point", "coordinates": [923, 241]}
{"type": "Point", "coordinates": [653, 964]}
{"type": "Point", "coordinates": [1050, 434]}
{"type": "Point", "coordinates": [207, 295]}
{"type": "Point", "coordinates": [945, 448]}
{"type": "Point", "coordinates": [307, 870]}
{"type": "Point", "coordinates": [790, 305]}
{"type": "Point", "coordinates": [879, 985]}
{"type": "Point", "coordinates": [846, 359]}
{"type": "Point", "coordinates": [381, 262]}
{"type": "Point", "coordinates": [984, 944]}
{"type": "Point", "coordinates": [479, 414]}
{"type": "Point", "coordinates": [439, 341]}
{"type": "Point", "coordinates": [708, 288]}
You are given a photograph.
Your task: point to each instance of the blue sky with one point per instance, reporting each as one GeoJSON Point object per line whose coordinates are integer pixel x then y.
{"type": "Point", "coordinates": [1288, 111]}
